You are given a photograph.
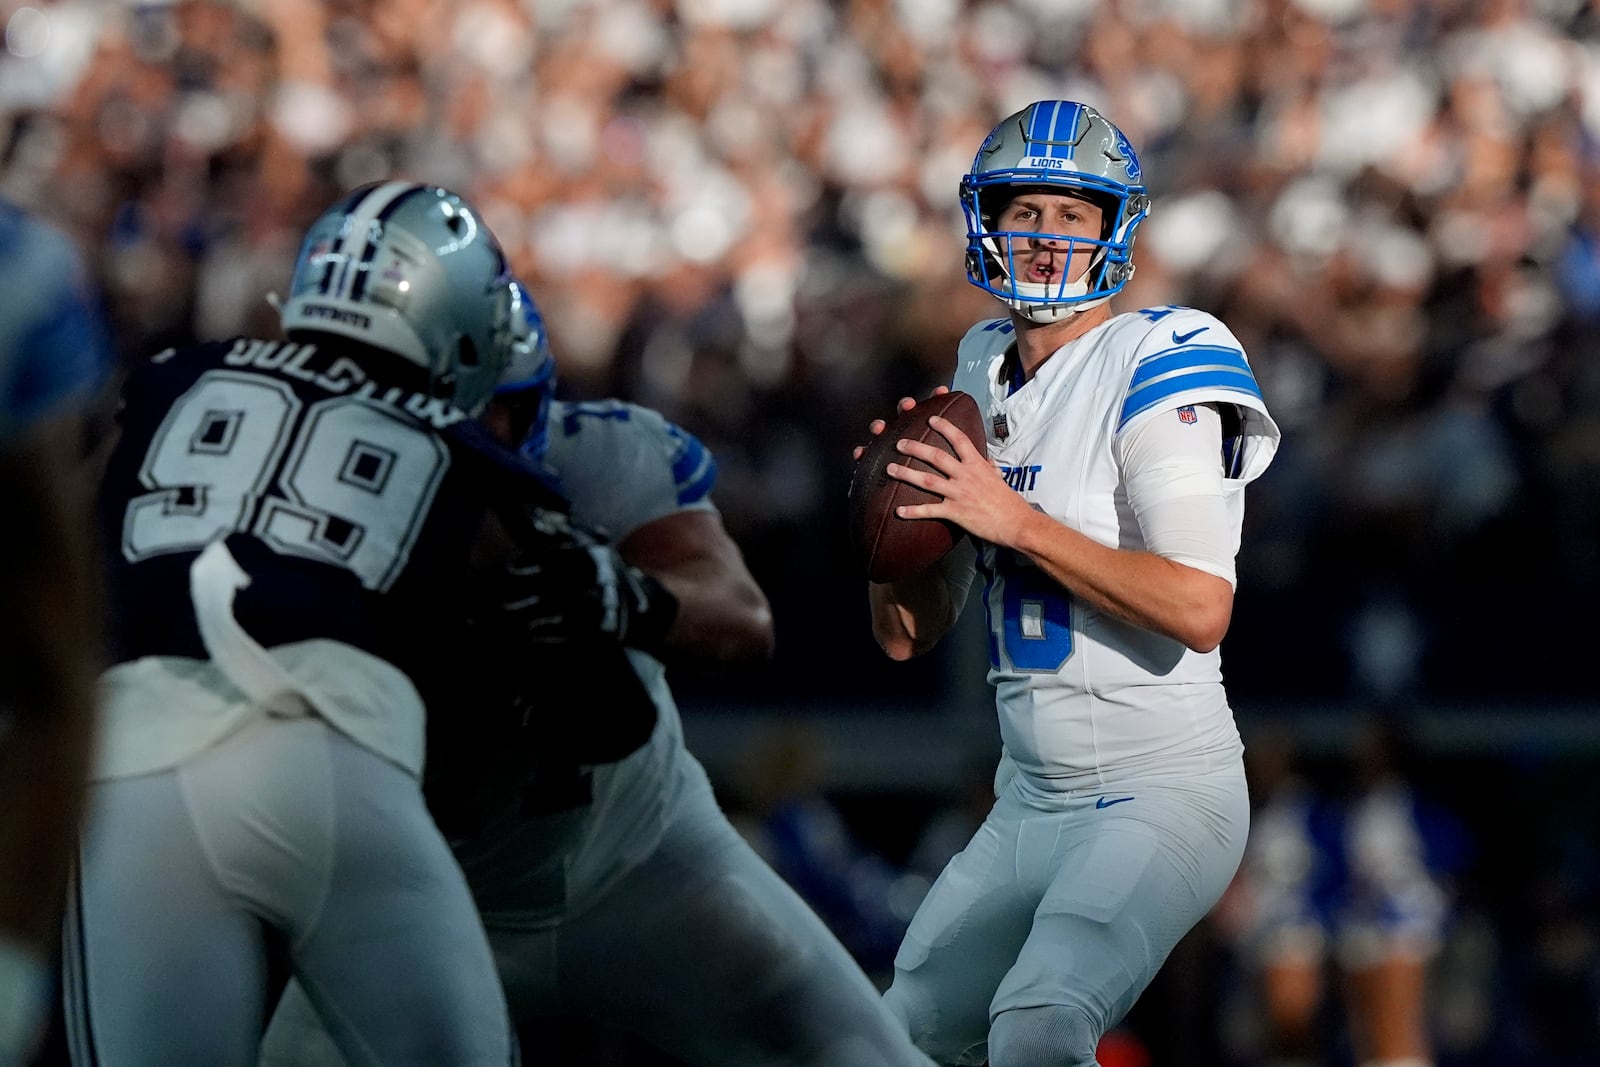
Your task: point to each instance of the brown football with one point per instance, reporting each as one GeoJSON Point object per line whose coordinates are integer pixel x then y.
{"type": "Point", "coordinates": [891, 548]}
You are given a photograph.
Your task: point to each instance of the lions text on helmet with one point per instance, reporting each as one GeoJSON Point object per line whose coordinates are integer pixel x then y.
{"type": "Point", "coordinates": [1052, 203]}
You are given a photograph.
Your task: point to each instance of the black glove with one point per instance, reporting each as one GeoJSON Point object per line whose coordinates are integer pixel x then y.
{"type": "Point", "coordinates": [566, 585]}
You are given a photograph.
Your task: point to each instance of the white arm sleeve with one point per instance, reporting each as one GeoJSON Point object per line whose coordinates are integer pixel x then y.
{"type": "Point", "coordinates": [1173, 472]}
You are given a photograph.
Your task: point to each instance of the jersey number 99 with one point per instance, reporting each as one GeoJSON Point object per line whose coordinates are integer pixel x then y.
{"type": "Point", "coordinates": [341, 481]}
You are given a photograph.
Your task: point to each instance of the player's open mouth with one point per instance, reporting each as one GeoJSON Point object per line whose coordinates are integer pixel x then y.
{"type": "Point", "coordinates": [1043, 271]}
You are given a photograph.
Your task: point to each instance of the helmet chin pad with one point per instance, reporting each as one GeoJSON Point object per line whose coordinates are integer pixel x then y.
{"type": "Point", "coordinates": [1046, 313]}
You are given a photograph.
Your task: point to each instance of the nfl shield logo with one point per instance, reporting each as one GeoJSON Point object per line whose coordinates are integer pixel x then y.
{"type": "Point", "coordinates": [1186, 414]}
{"type": "Point", "coordinates": [1002, 429]}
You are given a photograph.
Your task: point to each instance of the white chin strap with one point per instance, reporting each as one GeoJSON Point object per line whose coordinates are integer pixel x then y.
{"type": "Point", "coordinates": [1039, 312]}
{"type": "Point", "coordinates": [1036, 302]}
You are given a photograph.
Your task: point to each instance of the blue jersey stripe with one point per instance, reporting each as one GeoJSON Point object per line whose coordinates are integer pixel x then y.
{"type": "Point", "coordinates": [1165, 389]}
{"type": "Point", "coordinates": [1197, 357]}
{"type": "Point", "coordinates": [700, 487]}
{"type": "Point", "coordinates": [694, 470]}
{"type": "Point", "coordinates": [689, 455]}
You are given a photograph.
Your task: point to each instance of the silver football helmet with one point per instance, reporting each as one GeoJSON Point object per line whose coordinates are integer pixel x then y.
{"type": "Point", "coordinates": [1063, 147]}
{"type": "Point", "coordinates": [413, 270]}
{"type": "Point", "coordinates": [531, 374]}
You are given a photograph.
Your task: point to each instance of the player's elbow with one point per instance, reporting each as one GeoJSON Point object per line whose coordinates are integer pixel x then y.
{"type": "Point", "coordinates": [739, 628]}
{"type": "Point", "coordinates": [1205, 641]}
{"type": "Point", "coordinates": [1207, 622]}
{"type": "Point", "coordinates": [755, 638]}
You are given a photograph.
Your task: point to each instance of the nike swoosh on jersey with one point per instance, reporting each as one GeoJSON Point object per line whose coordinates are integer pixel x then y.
{"type": "Point", "coordinates": [1180, 338]}
{"type": "Point", "coordinates": [1105, 802]}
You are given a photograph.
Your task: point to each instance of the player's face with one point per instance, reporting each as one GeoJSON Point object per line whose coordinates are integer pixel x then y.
{"type": "Point", "coordinates": [1045, 259]}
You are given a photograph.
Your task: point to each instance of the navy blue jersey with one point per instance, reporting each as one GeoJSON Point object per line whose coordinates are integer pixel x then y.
{"type": "Point", "coordinates": [353, 502]}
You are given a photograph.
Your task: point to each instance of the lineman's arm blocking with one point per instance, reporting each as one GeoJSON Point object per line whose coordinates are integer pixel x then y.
{"type": "Point", "coordinates": [722, 612]}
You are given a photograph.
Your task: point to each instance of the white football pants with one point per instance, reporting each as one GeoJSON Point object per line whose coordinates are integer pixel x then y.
{"type": "Point", "coordinates": [1060, 911]}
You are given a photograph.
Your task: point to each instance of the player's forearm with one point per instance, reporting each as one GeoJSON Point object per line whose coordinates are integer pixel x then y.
{"type": "Point", "coordinates": [1153, 593]}
{"type": "Point", "coordinates": [909, 617]}
{"type": "Point", "coordinates": [723, 615]}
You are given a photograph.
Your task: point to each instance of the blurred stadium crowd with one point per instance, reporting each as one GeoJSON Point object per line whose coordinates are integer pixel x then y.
{"type": "Point", "coordinates": [743, 213]}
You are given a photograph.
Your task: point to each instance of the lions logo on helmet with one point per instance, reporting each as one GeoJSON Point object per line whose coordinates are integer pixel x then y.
{"type": "Point", "coordinates": [531, 374]}
{"type": "Point", "coordinates": [1058, 146]}
{"type": "Point", "coordinates": [411, 269]}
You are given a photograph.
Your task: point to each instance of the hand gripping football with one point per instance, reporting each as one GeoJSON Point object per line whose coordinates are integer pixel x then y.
{"type": "Point", "coordinates": [889, 547]}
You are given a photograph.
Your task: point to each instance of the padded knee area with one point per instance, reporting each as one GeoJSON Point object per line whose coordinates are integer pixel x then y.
{"type": "Point", "coordinates": [929, 1031]}
{"type": "Point", "coordinates": [1056, 1035]}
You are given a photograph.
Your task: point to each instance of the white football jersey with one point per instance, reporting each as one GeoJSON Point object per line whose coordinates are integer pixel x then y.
{"type": "Point", "coordinates": [621, 466]}
{"type": "Point", "coordinates": [1084, 698]}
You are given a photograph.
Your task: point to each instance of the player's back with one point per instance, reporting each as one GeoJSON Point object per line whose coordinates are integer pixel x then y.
{"type": "Point", "coordinates": [348, 496]}
{"type": "Point", "coordinates": [332, 486]}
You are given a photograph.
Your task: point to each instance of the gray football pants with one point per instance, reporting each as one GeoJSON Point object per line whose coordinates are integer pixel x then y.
{"type": "Point", "coordinates": [1039, 936]}
{"type": "Point", "coordinates": [286, 830]}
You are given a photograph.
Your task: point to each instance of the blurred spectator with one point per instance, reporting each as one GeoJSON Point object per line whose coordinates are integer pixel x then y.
{"type": "Point", "coordinates": [1400, 852]}
{"type": "Point", "coordinates": [1276, 913]}
{"type": "Point", "coordinates": [737, 208]}
{"type": "Point", "coordinates": [1354, 885]}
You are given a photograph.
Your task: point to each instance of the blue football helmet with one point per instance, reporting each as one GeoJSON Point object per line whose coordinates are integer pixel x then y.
{"type": "Point", "coordinates": [413, 270]}
{"type": "Point", "coordinates": [531, 374]}
{"type": "Point", "coordinates": [1062, 147]}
